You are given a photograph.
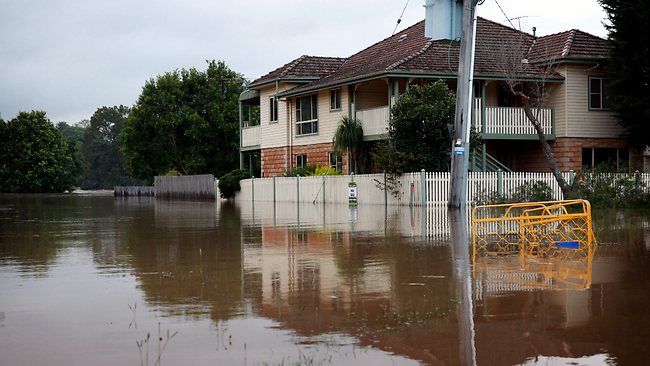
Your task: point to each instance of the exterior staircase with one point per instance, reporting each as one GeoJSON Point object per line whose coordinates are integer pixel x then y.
{"type": "Point", "coordinates": [481, 161]}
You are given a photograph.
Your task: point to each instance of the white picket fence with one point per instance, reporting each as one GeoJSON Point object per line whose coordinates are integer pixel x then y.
{"type": "Point", "coordinates": [408, 188]}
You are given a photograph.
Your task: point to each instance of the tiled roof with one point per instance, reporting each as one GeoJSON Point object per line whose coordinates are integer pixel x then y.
{"type": "Point", "coordinates": [500, 50]}
{"type": "Point", "coordinates": [386, 54]}
{"type": "Point", "coordinates": [304, 67]}
{"type": "Point", "coordinates": [570, 44]}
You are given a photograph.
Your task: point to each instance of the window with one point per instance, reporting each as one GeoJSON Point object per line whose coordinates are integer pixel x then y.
{"type": "Point", "coordinates": [336, 162]}
{"type": "Point", "coordinates": [301, 161]}
{"type": "Point", "coordinates": [611, 157]}
{"type": "Point", "coordinates": [335, 99]}
{"type": "Point", "coordinates": [273, 109]}
{"type": "Point", "coordinates": [599, 93]}
{"type": "Point", "coordinates": [307, 115]}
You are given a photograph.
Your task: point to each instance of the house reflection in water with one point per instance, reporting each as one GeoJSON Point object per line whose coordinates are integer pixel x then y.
{"type": "Point", "coordinates": [321, 271]}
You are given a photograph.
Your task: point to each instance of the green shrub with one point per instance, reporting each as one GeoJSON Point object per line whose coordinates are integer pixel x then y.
{"type": "Point", "coordinates": [327, 170]}
{"type": "Point", "coordinates": [173, 173]}
{"type": "Point", "coordinates": [482, 197]}
{"type": "Point", "coordinates": [229, 183]}
{"type": "Point", "coordinates": [303, 172]}
{"type": "Point", "coordinates": [614, 190]}
{"type": "Point", "coordinates": [536, 191]}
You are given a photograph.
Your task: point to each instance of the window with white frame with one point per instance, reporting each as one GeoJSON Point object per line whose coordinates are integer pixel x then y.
{"type": "Point", "coordinates": [335, 99]}
{"type": "Point", "coordinates": [273, 109]}
{"type": "Point", "coordinates": [301, 161]}
{"type": "Point", "coordinates": [307, 115]}
{"type": "Point", "coordinates": [600, 97]}
{"type": "Point", "coordinates": [336, 162]}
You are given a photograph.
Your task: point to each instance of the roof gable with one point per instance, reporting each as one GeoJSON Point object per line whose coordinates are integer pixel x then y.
{"type": "Point", "coordinates": [304, 67]}
{"type": "Point", "coordinates": [571, 44]}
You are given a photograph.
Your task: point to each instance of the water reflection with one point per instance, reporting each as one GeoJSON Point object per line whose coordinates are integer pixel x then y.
{"type": "Point", "coordinates": [463, 281]}
{"type": "Point", "coordinates": [248, 284]}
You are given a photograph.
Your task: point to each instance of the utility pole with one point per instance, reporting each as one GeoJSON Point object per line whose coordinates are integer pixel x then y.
{"type": "Point", "coordinates": [464, 105]}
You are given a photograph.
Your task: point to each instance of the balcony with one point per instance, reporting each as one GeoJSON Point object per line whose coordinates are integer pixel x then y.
{"type": "Point", "coordinates": [510, 122]}
{"type": "Point", "coordinates": [250, 138]}
{"type": "Point", "coordinates": [374, 121]}
{"type": "Point", "coordinates": [494, 122]}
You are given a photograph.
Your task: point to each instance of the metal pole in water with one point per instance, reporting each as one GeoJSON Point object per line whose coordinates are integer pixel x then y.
{"type": "Point", "coordinates": [463, 284]}
{"type": "Point", "coordinates": [460, 146]}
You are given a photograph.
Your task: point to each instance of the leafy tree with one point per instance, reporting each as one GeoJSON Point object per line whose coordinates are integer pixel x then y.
{"type": "Point", "coordinates": [74, 137]}
{"type": "Point", "coordinates": [418, 127]}
{"type": "Point", "coordinates": [186, 120]}
{"type": "Point", "coordinates": [348, 138]}
{"type": "Point", "coordinates": [34, 156]}
{"type": "Point", "coordinates": [106, 167]}
{"type": "Point", "coordinates": [71, 133]}
{"type": "Point", "coordinates": [629, 65]}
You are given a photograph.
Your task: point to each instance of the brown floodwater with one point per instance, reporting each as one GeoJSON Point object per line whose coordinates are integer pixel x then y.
{"type": "Point", "coordinates": [89, 279]}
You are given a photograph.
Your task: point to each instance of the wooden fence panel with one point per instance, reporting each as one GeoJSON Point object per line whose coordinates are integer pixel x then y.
{"type": "Point", "coordinates": [185, 187]}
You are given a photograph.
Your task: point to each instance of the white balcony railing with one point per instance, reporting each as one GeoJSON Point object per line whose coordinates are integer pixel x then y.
{"type": "Point", "coordinates": [374, 120]}
{"type": "Point", "coordinates": [498, 120]}
{"type": "Point", "coordinates": [511, 120]}
{"type": "Point", "coordinates": [250, 136]}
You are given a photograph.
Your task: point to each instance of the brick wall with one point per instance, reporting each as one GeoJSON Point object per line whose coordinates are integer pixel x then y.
{"type": "Point", "coordinates": [568, 151]}
{"type": "Point", "coordinates": [317, 154]}
{"type": "Point", "coordinates": [527, 156]}
{"type": "Point", "coordinates": [274, 161]}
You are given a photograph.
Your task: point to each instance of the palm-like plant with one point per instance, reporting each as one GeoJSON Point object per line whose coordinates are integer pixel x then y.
{"type": "Point", "coordinates": [349, 138]}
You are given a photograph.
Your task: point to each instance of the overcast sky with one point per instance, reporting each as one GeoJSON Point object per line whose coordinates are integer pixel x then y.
{"type": "Point", "coordinates": [70, 57]}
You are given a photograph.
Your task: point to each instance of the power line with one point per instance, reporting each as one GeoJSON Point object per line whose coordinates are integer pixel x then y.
{"type": "Point", "coordinates": [399, 20]}
{"type": "Point", "coordinates": [504, 14]}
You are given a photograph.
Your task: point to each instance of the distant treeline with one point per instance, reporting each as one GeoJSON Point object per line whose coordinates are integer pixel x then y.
{"type": "Point", "coordinates": [184, 122]}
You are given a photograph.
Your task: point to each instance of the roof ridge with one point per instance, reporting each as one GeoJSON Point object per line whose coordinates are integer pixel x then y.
{"type": "Point", "coordinates": [411, 56]}
{"type": "Point", "coordinates": [505, 26]}
{"type": "Point", "coordinates": [292, 65]}
{"type": "Point", "coordinates": [396, 35]}
{"type": "Point", "coordinates": [568, 43]}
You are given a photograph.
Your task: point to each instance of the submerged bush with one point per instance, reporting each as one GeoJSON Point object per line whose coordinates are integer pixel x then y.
{"type": "Point", "coordinates": [614, 190]}
{"type": "Point", "coordinates": [229, 183]}
{"type": "Point", "coordinates": [537, 191]}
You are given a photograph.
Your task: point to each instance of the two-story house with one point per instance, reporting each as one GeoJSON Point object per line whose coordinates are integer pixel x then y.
{"type": "Point", "coordinates": [301, 103]}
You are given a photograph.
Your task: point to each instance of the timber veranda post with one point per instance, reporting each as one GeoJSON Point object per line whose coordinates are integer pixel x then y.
{"type": "Point", "coordinates": [460, 144]}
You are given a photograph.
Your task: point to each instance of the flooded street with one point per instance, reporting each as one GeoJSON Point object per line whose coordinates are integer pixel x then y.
{"type": "Point", "coordinates": [98, 280]}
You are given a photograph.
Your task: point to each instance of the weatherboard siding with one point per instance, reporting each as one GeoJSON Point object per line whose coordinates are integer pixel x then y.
{"type": "Point", "coordinates": [273, 134]}
{"type": "Point", "coordinates": [582, 122]}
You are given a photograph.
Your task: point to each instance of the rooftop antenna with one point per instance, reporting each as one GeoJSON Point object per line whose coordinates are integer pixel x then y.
{"type": "Point", "coordinates": [518, 19]}
{"type": "Point", "coordinates": [399, 20]}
